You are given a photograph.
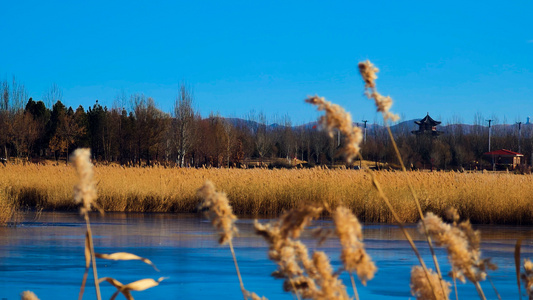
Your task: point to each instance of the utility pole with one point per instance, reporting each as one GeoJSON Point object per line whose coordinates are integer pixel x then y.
{"type": "Point", "coordinates": [364, 139]}
{"type": "Point", "coordinates": [519, 135]}
{"type": "Point", "coordinates": [490, 121]}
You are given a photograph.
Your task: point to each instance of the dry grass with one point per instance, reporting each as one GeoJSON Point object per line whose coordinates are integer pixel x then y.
{"type": "Point", "coordinates": [8, 206]}
{"type": "Point", "coordinates": [482, 198]}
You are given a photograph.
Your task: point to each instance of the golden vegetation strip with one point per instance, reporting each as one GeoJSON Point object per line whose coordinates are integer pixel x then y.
{"type": "Point", "coordinates": [497, 198]}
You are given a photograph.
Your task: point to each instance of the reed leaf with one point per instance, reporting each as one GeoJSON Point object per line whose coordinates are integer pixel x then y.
{"type": "Point", "coordinates": [139, 285]}
{"type": "Point", "coordinates": [143, 284]}
{"type": "Point", "coordinates": [87, 265]}
{"type": "Point", "coordinates": [28, 295]}
{"type": "Point", "coordinates": [87, 251]}
{"type": "Point", "coordinates": [126, 256]}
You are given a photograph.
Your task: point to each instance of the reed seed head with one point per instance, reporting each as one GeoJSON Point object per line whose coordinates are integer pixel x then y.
{"type": "Point", "coordinates": [330, 285]}
{"type": "Point", "coordinates": [462, 244]}
{"type": "Point", "coordinates": [353, 254]}
{"type": "Point", "coordinates": [312, 278]}
{"type": "Point", "coordinates": [337, 118]}
{"type": "Point", "coordinates": [452, 215]}
{"type": "Point", "coordinates": [254, 296]}
{"type": "Point", "coordinates": [85, 190]}
{"type": "Point", "coordinates": [527, 277]}
{"type": "Point", "coordinates": [218, 211]}
{"type": "Point", "coordinates": [28, 295]}
{"type": "Point", "coordinates": [369, 73]}
{"type": "Point", "coordinates": [421, 288]}
{"type": "Point", "coordinates": [383, 103]}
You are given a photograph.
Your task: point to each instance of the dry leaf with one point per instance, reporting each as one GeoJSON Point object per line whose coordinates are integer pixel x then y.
{"type": "Point", "coordinates": [125, 256]}
{"type": "Point", "coordinates": [139, 285]}
{"type": "Point", "coordinates": [87, 251]}
{"type": "Point", "coordinates": [28, 295]}
{"type": "Point", "coordinates": [143, 284]}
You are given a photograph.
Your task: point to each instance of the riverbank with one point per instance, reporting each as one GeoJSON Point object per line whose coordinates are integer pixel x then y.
{"type": "Point", "coordinates": [491, 198]}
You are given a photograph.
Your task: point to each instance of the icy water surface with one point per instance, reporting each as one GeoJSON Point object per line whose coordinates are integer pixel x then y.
{"type": "Point", "coordinates": [45, 255]}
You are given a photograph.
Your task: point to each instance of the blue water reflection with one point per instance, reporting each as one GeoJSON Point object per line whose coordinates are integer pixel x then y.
{"type": "Point", "coordinates": [45, 255]}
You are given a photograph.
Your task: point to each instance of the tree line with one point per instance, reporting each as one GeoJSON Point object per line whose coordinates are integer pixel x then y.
{"type": "Point", "coordinates": [143, 135]}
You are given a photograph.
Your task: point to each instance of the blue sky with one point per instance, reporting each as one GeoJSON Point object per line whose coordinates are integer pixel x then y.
{"type": "Point", "coordinates": [452, 59]}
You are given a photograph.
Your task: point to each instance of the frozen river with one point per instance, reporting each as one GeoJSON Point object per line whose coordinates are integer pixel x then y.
{"type": "Point", "coordinates": [45, 255]}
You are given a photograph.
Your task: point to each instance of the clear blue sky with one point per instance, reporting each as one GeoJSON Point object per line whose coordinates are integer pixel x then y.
{"type": "Point", "coordinates": [452, 58]}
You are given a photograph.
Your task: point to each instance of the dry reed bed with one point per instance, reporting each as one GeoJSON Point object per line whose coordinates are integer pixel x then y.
{"type": "Point", "coordinates": [483, 198]}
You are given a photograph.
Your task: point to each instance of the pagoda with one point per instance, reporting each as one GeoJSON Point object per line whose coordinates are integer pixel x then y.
{"type": "Point", "coordinates": [427, 126]}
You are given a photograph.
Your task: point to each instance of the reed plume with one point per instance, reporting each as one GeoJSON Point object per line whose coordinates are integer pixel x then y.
{"type": "Point", "coordinates": [85, 196]}
{"type": "Point", "coordinates": [305, 276]}
{"type": "Point", "coordinates": [527, 277]}
{"type": "Point", "coordinates": [421, 288]}
{"type": "Point", "coordinates": [337, 118]}
{"type": "Point", "coordinates": [85, 191]}
{"type": "Point", "coordinates": [462, 243]}
{"type": "Point", "coordinates": [218, 210]}
{"type": "Point", "coordinates": [383, 103]}
{"type": "Point", "coordinates": [369, 73]}
{"type": "Point", "coordinates": [353, 254]}
{"type": "Point", "coordinates": [28, 295]}
{"type": "Point", "coordinates": [330, 285]}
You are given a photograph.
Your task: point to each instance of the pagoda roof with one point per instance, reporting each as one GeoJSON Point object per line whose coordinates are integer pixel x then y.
{"type": "Point", "coordinates": [503, 152]}
{"type": "Point", "coordinates": [428, 120]}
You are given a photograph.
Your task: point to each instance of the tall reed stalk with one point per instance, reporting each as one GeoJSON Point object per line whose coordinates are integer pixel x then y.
{"type": "Point", "coordinates": [369, 73]}
{"type": "Point", "coordinates": [217, 209]}
{"type": "Point", "coordinates": [85, 196]}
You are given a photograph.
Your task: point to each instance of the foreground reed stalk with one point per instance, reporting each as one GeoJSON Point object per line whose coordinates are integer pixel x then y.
{"type": "Point", "coordinates": [85, 196]}
{"type": "Point", "coordinates": [527, 277]}
{"type": "Point", "coordinates": [218, 210]}
{"type": "Point", "coordinates": [93, 258]}
{"type": "Point", "coordinates": [368, 72]}
{"type": "Point", "coordinates": [237, 269]}
{"type": "Point", "coordinates": [337, 118]}
{"type": "Point", "coordinates": [353, 254]}
{"type": "Point", "coordinates": [462, 243]}
{"type": "Point", "coordinates": [407, 236]}
{"type": "Point", "coordinates": [419, 208]}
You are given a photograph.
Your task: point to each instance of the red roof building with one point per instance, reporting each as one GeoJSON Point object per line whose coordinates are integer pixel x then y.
{"type": "Point", "coordinates": [504, 158]}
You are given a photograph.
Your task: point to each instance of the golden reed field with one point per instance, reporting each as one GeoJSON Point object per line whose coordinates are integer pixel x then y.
{"type": "Point", "coordinates": [302, 195]}
{"type": "Point", "coordinates": [495, 198]}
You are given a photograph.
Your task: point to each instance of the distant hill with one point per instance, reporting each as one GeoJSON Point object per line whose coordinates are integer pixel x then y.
{"type": "Point", "coordinates": [404, 126]}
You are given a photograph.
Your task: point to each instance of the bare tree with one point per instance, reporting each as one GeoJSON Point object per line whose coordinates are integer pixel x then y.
{"type": "Point", "coordinates": [149, 128]}
{"type": "Point", "coordinates": [184, 126]}
{"type": "Point", "coordinates": [260, 133]}
{"type": "Point", "coordinates": [53, 95]}
{"type": "Point", "coordinates": [11, 113]}
{"type": "Point", "coordinates": [24, 131]}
